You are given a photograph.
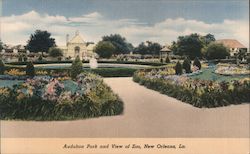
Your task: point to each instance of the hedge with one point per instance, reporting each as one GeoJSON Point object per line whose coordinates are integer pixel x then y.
{"type": "Point", "coordinates": [209, 99]}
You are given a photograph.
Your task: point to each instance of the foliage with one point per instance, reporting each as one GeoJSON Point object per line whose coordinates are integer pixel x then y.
{"type": "Point", "coordinates": [55, 52]}
{"type": "Point", "coordinates": [189, 45]}
{"type": "Point", "coordinates": [217, 51]}
{"type": "Point", "coordinates": [40, 41]}
{"type": "Point", "coordinates": [178, 68]}
{"type": "Point", "coordinates": [2, 67]}
{"type": "Point", "coordinates": [1, 45]}
{"type": "Point", "coordinates": [197, 63]}
{"type": "Point", "coordinates": [46, 98]}
{"type": "Point", "coordinates": [15, 72]}
{"type": "Point", "coordinates": [167, 60]}
{"type": "Point", "coordinates": [30, 69]}
{"type": "Point", "coordinates": [151, 48]}
{"type": "Point", "coordinates": [199, 93]}
{"type": "Point", "coordinates": [76, 67]}
{"type": "Point", "coordinates": [187, 65]}
{"type": "Point", "coordinates": [40, 58]}
{"type": "Point", "coordinates": [104, 49]}
{"type": "Point", "coordinates": [120, 43]}
{"type": "Point", "coordinates": [207, 39]}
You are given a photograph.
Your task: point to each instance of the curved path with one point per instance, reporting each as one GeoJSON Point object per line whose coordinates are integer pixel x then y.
{"type": "Point", "coordinates": [147, 114]}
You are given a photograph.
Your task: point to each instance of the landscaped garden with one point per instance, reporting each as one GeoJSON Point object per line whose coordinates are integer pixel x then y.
{"type": "Point", "coordinates": [202, 87]}
{"type": "Point", "coordinates": [31, 94]}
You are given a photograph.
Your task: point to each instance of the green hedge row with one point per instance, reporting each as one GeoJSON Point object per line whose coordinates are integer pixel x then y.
{"type": "Point", "coordinates": [210, 99]}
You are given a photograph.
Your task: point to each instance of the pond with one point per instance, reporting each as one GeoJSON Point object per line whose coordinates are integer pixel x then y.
{"type": "Point", "coordinates": [9, 83]}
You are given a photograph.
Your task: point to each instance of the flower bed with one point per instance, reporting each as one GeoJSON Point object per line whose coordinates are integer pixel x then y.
{"type": "Point", "coordinates": [48, 98]}
{"type": "Point", "coordinates": [224, 69]}
{"type": "Point", "coordinates": [199, 93]}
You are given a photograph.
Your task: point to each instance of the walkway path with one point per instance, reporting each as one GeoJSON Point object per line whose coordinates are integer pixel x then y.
{"type": "Point", "coordinates": [147, 114]}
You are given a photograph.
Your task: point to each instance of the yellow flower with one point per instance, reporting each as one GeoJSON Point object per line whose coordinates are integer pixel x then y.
{"type": "Point", "coordinates": [15, 72]}
{"type": "Point", "coordinates": [4, 91]}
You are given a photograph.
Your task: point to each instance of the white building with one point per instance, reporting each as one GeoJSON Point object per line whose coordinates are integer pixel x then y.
{"type": "Point", "coordinates": [77, 47]}
{"type": "Point", "coordinates": [233, 45]}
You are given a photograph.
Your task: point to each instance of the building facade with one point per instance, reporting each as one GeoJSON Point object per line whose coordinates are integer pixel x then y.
{"type": "Point", "coordinates": [77, 47]}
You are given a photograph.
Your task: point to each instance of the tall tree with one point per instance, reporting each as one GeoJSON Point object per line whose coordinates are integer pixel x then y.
{"type": "Point", "coordinates": [189, 45]}
{"type": "Point", "coordinates": [40, 41]}
{"type": "Point", "coordinates": [207, 39]}
{"type": "Point", "coordinates": [120, 43]}
{"type": "Point", "coordinates": [149, 47]}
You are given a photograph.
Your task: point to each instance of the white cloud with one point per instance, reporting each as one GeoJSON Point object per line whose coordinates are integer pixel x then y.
{"type": "Point", "coordinates": [17, 28]}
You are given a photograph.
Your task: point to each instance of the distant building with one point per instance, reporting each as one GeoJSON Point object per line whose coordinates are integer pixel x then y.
{"type": "Point", "coordinates": [233, 45]}
{"type": "Point", "coordinates": [77, 47]}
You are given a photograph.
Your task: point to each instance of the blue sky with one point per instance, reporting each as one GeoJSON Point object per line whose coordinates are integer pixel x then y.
{"type": "Point", "coordinates": [137, 20]}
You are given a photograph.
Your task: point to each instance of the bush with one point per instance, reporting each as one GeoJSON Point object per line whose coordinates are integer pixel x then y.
{"type": "Point", "coordinates": [25, 58]}
{"type": "Point", "coordinates": [199, 93]}
{"type": "Point", "coordinates": [2, 67]}
{"type": "Point", "coordinates": [105, 49]}
{"type": "Point", "coordinates": [167, 60]}
{"type": "Point", "coordinates": [76, 67]}
{"type": "Point", "coordinates": [186, 65]}
{"type": "Point", "coordinates": [217, 51]}
{"type": "Point", "coordinates": [40, 58]}
{"type": "Point", "coordinates": [178, 68]}
{"type": "Point", "coordinates": [20, 58]}
{"type": "Point", "coordinates": [55, 52]}
{"type": "Point", "coordinates": [197, 63]}
{"type": "Point", "coordinates": [30, 69]}
{"type": "Point", "coordinates": [161, 60]}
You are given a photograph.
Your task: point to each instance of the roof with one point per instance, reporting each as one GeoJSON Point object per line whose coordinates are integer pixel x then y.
{"type": "Point", "coordinates": [231, 43]}
{"type": "Point", "coordinates": [76, 39]}
{"type": "Point", "coordinates": [166, 49]}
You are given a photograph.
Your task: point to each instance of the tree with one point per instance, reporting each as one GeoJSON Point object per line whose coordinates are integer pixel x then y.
{"type": "Point", "coordinates": [2, 67]}
{"type": "Point", "coordinates": [167, 60]}
{"type": "Point", "coordinates": [217, 51]}
{"type": "Point", "coordinates": [178, 68]}
{"type": "Point", "coordinates": [30, 69]}
{"type": "Point", "coordinates": [1, 45]}
{"type": "Point", "coordinates": [191, 45]}
{"type": "Point", "coordinates": [76, 67]}
{"type": "Point", "coordinates": [148, 47]}
{"type": "Point", "coordinates": [120, 43]}
{"type": "Point", "coordinates": [207, 39]}
{"type": "Point", "coordinates": [40, 42]}
{"type": "Point", "coordinates": [55, 52]}
{"type": "Point", "coordinates": [104, 49]}
{"type": "Point", "coordinates": [197, 63]}
{"type": "Point", "coordinates": [186, 65]}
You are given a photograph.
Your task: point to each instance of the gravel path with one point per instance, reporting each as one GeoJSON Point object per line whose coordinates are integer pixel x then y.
{"type": "Point", "coordinates": [147, 114]}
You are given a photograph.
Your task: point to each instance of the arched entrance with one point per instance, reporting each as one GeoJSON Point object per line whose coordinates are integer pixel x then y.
{"type": "Point", "coordinates": [77, 51]}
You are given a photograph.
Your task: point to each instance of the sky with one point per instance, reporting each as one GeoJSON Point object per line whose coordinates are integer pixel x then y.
{"type": "Point", "coordinates": [137, 20]}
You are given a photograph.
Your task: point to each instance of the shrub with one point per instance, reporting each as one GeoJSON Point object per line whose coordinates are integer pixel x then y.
{"type": "Point", "coordinates": [217, 51]}
{"type": "Point", "coordinates": [20, 58]}
{"type": "Point", "coordinates": [167, 60]}
{"type": "Point", "coordinates": [186, 65]}
{"type": "Point", "coordinates": [2, 67]}
{"type": "Point", "coordinates": [76, 67]}
{"type": "Point", "coordinates": [178, 68]}
{"type": "Point", "coordinates": [40, 58]}
{"type": "Point", "coordinates": [30, 69]}
{"type": "Point", "coordinates": [25, 58]}
{"type": "Point", "coordinates": [161, 60]}
{"type": "Point", "coordinates": [197, 63]}
{"type": "Point", "coordinates": [55, 52]}
{"type": "Point", "coordinates": [105, 49]}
